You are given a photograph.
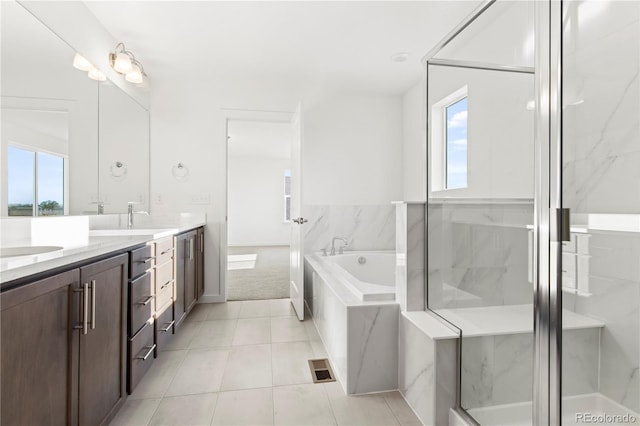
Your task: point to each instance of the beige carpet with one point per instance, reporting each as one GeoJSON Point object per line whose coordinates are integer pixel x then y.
{"type": "Point", "coordinates": [269, 279]}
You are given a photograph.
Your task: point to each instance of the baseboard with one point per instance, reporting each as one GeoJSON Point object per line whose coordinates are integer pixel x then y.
{"type": "Point", "coordinates": [211, 298]}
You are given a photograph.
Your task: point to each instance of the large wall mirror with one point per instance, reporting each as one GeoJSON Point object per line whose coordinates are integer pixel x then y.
{"type": "Point", "coordinates": [70, 145]}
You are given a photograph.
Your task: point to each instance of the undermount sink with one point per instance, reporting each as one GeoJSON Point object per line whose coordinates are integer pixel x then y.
{"type": "Point", "coordinates": [119, 232]}
{"type": "Point", "coordinates": [27, 250]}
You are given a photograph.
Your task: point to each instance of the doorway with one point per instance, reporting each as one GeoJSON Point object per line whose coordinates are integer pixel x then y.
{"type": "Point", "coordinates": [258, 209]}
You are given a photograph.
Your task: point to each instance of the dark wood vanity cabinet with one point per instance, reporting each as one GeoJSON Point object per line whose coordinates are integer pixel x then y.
{"type": "Point", "coordinates": [40, 352]}
{"type": "Point", "coordinates": [200, 262]}
{"type": "Point", "coordinates": [64, 346]}
{"type": "Point", "coordinates": [102, 380]}
{"type": "Point", "coordinates": [189, 278]}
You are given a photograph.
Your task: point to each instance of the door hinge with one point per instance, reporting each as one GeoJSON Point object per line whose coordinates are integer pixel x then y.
{"type": "Point", "coordinates": [563, 225]}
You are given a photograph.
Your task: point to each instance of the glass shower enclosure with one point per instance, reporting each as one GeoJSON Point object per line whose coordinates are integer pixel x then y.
{"type": "Point", "coordinates": [533, 211]}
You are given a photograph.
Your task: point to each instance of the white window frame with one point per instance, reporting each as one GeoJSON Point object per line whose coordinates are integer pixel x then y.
{"type": "Point", "coordinates": [439, 140]}
{"type": "Point", "coordinates": [65, 177]}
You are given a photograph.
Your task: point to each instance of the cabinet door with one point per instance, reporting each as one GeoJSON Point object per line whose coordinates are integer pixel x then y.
{"type": "Point", "coordinates": [190, 273]}
{"type": "Point", "coordinates": [102, 381]}
{"type": "Point", "coordinates": [200, 263]}
{"type": "Point", "coordinates": [39, 352]}
{"type": "Point", "coordinates": [180, 258]}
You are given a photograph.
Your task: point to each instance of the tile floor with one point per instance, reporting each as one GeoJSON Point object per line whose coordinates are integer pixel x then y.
{"type": "Point", "coordinates": [245, 363]}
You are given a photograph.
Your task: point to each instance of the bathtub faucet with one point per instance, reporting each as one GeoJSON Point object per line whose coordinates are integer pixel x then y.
{"type": "Point", "coordinates": [333, 245]}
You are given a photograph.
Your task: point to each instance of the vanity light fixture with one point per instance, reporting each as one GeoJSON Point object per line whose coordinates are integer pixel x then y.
{"type": "Point", "coordinates": [124, 62]}
{"type": "Point", "coordinates": [81, 63]}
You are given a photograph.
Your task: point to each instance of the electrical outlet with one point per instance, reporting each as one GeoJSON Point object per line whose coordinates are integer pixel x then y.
{"type": "Point", "coordinates": [201, 199]}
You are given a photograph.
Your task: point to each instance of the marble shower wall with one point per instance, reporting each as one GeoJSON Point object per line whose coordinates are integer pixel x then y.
{"type": "Point", "coordinates": [615, 300]}
{"type": "Point", "coordinates": [601, 117]}
{"type": "Point", "coordinates": [370, 227]}
{"type": "Point", "coordinates": [499, 369]}
{"type": "Point", "coordinates": [478, 254]}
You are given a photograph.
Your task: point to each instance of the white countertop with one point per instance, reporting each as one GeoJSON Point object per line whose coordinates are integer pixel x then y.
{"type": "Point", "coordinates": [91, 245]}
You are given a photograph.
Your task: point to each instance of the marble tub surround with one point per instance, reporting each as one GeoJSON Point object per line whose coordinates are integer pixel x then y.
{"type": "Point", "coordinates": [410, 255]}
{"type": "Point", "coordinates": [361, 338]}
{"type": "Point", "coordinates": [366, 227]}
{"type": "Point", "coordinates": [478, 253]}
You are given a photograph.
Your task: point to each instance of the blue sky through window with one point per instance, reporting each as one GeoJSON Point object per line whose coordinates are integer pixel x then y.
{"type": "Point", "coordinates": [456, 141]}
{"type": "Point", "coordinates": [20, 166]}
{"type": "Point", "coordinates": [50, 178]}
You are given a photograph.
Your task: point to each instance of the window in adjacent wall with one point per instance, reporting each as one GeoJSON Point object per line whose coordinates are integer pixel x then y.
{"type": "Point", "coordinates": [456, 144]}
{"type": "Point", "coordinates": [287, 195]}
{"type": "Point", "coordinates": [35, 183]}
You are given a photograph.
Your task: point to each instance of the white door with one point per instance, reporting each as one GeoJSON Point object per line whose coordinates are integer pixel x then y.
{"type": "Point", "coordinates": [296, 256]}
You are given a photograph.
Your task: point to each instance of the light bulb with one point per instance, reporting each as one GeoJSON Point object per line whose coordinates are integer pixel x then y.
{"type": "Point", "coordinates": [135, 75]}
{"type": "Point", "coordinates": [96, 74]}
{"type": "Point", "coordinates": [81, 63]}
{"type": "Point", "coordinates": [122, 63]}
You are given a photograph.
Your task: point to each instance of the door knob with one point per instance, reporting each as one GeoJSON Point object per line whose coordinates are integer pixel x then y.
{"type": "Point", "coordinates": [300, 220]}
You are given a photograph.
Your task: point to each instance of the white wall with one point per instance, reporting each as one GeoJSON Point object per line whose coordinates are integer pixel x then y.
{"type": "Point", "coordinates": [415, 144]}
{"type": "Point", "coordinates": [352, 149]}
{"type": "Point", "coordinates": [500, 132]}
{"type": "Point", "coordinates": [256, 202]}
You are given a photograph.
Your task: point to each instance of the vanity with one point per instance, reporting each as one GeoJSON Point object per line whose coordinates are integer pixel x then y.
{"type": "Point", "coordinates": [82, 325]}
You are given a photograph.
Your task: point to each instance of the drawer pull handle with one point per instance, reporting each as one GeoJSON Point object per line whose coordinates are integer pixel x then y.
{"type": "Point", "coordinates": [145, 356]}
{"type": "Point", "coordinates": [166, 284]}
{"type": "Point", "coordinates": [146, 302]}
{"type": "Point", "coordinates": [93, 304]}
{"type": "Point", "coordinates": [147, 260]}
{"type": "Point", "coordinates": [166, 251]}
{"type": "Point", "coordinates": [167, 327]}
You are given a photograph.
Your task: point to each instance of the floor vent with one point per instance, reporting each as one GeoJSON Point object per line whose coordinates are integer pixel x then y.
{"type": "Point", "coordinates": [321, 371]}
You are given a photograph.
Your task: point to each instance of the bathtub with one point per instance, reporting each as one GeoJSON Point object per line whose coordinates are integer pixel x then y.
{"type": "Point", "coordinates": [353, 308]}
{"type": "Point", "coordinates": [369, 275]}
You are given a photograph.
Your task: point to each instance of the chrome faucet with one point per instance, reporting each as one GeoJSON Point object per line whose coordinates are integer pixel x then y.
{"type": "Point", "coordinates": [130, 214]}
{"type": "Point", "coordinates": [100, 207]}
{"type": "Point", "coordinates": [333, 245]}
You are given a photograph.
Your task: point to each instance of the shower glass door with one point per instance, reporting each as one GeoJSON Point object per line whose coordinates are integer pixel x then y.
{"type": "Point", "coordinates": [601, 187]}
{"type": "Point", "coordinates": [480, 210]}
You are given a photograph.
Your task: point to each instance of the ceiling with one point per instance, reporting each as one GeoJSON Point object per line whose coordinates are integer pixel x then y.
{"type": "Point", "coordinates": [336, 42]}
{"type": "Point", "coordinates": [260, 139]}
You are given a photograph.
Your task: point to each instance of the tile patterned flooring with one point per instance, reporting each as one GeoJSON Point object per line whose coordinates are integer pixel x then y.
{"type": "Point", "coordinates": [245, 363]}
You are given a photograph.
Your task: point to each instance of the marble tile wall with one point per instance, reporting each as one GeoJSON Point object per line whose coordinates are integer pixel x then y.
{"type": "Point", "coordinates": [601, 117]}
{"type": "Point", "coordinates": [370, 227]}
{"type": "Point", "coordinates": [615, 300]}
{"type": "Point", "coordinates": [410, 256]}
{"type": "Point", "coordinates": [478, 254]}
{"type": "Point", "coordinates": [499, 369]}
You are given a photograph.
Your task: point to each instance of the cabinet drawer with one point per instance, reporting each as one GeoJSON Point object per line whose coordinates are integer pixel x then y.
{"type": "Point", "coordinates": [141, 302]}
{"type": "Point", "coordinates": [164, 328]}
{"type": "Point", "coordinates": [141, 261]}
{"type": "Point", "coordinates": [164, 250]}
{"type": "Point", "coordinates": [141, 348]}
{"type": "Point", "coordinates": [164, 284]}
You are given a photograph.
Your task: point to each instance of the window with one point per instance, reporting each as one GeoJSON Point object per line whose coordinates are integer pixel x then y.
{"type": "Point", "coordinates": [287, 195]}
{"type": "Point", "coordinates": [35, 183]}
{"type": "Point", "coordinates": [456, 144]}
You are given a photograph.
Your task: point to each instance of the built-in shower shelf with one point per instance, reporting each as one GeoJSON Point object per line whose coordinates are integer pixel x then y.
{"type": "Point", "coordinates": [509, 319]}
